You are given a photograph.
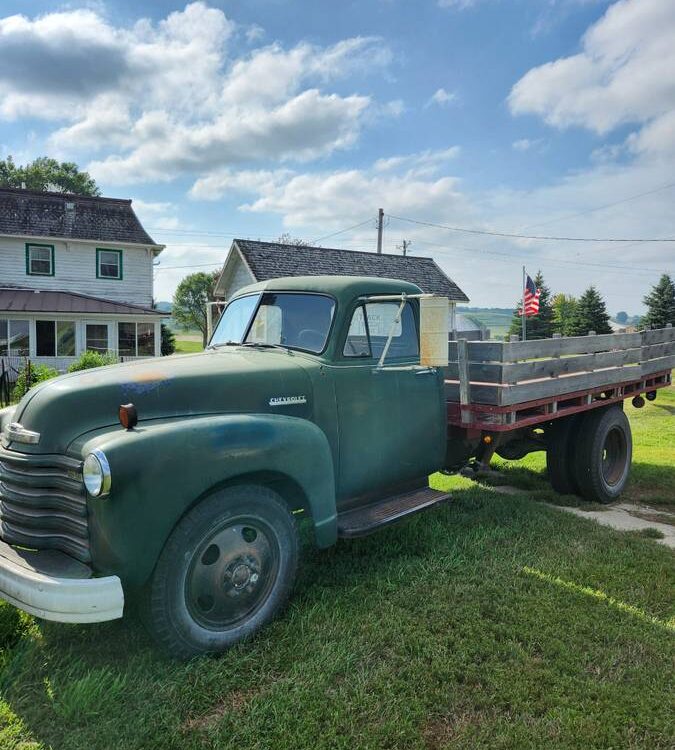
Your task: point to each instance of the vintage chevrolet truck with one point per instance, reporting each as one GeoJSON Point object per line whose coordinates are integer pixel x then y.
{"type": "Point", "coordinates": [178, 482]}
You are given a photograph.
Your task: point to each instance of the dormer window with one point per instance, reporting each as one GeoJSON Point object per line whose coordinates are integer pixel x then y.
{"type": "Point", "coordinates": [108, 264]}
{"type": "Point", "coordinates": [39, 260]}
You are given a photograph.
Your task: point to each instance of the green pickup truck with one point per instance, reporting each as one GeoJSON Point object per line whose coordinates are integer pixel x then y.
{"type": "Point", "coordinates": [178, 482]}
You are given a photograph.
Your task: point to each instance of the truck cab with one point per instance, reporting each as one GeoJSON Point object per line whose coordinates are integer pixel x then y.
{"type": "Point", "coordinates": [178, 483]}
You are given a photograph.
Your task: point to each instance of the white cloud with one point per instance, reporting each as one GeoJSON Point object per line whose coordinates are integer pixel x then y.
{"type": "Point", "coordinates": [160, 99]}
{"type": "Point", "coordinates": [442, 97]}
{"type": "Point", "coordinates": [624, 73]}
{"type": "Point", "coordinates": [526, 144]}
{"type": "Point", "coordinates": [410, 184]}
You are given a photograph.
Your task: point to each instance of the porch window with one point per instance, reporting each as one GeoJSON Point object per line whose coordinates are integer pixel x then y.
{"type": "Point", "coordinates": [39, 260]}
{"type": "Point", "coordinates": [136, 339]}
{"type": "Point", "coordinates": [14, 338]}
{"type": "Point", "coordinates": [108, 264]}
{"type": "Point", "coordinates": [55, 338]}
{"type": "Point", "coordinates": [97, 337]}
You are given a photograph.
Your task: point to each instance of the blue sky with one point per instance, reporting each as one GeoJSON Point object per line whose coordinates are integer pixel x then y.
{"type": "Point", "coordinates": [265, 117]}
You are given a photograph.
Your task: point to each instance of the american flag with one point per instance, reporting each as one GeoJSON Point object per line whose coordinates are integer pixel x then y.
{"type": "Point", "coordinates": [531, 298]}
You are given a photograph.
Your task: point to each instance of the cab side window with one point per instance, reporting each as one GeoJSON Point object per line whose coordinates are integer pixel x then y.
{"type": "Point", "coordinates": [370, 327]}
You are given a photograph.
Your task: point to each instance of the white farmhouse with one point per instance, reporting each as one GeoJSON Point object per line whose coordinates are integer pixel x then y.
{"type": "Point", "coordinates": [75, 275]}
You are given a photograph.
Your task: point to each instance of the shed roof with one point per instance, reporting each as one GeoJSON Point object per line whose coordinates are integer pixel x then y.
{"type": "Point", "coordinates": [19, 300]}
{"type": "Point", "coordinates": [28, 213]}
{"type": "Point", "coordinates": [271, 260]}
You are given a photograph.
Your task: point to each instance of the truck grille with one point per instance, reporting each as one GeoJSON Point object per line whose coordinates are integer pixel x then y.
{"type": "Point", "coordinates": [43, 503]}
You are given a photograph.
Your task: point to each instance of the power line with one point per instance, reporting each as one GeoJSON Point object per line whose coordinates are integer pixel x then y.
{"type": "Point", "coordinates": [511, 259]}
{"type": "Point", "coordinates": [601, 208]}
{"type": "Point", "coordinates": [340, 231]}
{"type": "Point", "coordinates": [529, 237]}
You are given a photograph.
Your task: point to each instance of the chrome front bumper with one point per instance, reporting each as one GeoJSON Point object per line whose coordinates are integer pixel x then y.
{"type": "Point", "coordinates": [53, 586]}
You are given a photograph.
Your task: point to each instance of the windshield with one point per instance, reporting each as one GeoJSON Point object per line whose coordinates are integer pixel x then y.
{"type": "Point", "coordinates": [233, 323]}
{"type": "Point", "coordinates": [296, 321]}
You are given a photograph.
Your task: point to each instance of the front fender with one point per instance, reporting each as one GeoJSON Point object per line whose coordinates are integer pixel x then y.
{"type": "Point", "coordinates": [160, 469]}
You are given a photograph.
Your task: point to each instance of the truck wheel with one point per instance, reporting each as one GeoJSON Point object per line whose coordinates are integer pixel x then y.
{"type": "Point", "coordinates": [603, 454]}
{"type": "Point", "coordinates": [225, 572]}
{"type": "Point", "coordinates": [560, 440]}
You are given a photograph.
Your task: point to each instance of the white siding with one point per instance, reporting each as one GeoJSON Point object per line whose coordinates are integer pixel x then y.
{"type": "Point", "coordinates": [75, 270]}
{"type": "Point", "coordinates": [235, 276]}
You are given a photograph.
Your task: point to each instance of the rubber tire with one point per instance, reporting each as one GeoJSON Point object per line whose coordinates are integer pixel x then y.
{"type": "Point", "coordinates": [593, 431]}
{"type": "Point", "coordinates": [561, 437]}
{"type": "Point", "coordinates": [164, 611]}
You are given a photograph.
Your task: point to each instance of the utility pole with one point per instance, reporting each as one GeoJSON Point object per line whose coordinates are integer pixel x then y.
{"type": "Point", "coordinates": [405, 244]}
{"type": "Point", "coordinates": [380, 223]}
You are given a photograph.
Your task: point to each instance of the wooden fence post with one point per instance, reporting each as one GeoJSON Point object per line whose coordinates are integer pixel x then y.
{"type": "Point", "coordinates": [464, 382]}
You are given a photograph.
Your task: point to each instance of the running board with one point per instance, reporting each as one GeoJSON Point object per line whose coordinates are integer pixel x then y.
{"type": "Point", "coordinates": [365, 520]}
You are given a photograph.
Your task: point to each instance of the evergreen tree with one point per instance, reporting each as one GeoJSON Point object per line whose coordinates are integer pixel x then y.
{"type": "Point", "coordinates": [660, 304]}
{"type": "Point", "coordinates": [564, 307]}
{"type": "Point", "coordinates": [539, 326]}
{"type": "Point", "coordinates": [590, 314]}
{"type": "Point", "coordinates": [168, 341]}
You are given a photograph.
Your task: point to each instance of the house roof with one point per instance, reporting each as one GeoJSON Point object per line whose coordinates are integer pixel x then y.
{"type": "Point", "coordinates": [271, 260]}
{"type": "Point", "coordinates": [28, 213]}
{"type": "Point", "coordinates": [19, 300]}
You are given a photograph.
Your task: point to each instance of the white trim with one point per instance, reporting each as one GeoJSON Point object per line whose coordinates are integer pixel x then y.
{"type": "Point", "coordinates": [61, 599]}
{"type": "Point", "coordinates": [51, 239]}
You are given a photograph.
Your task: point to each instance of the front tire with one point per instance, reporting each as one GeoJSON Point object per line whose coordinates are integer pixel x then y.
{"type": "Point", "coordinates": [226, 571]}
{"type": "Point", "coordinates": [603, 454]}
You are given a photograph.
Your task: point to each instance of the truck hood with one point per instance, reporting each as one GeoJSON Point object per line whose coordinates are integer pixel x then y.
{"type": "Point", "coordinates": [213, 382]}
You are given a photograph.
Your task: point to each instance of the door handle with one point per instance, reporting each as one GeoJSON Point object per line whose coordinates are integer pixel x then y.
{"type": "Point", "coordinates": [426, 371]}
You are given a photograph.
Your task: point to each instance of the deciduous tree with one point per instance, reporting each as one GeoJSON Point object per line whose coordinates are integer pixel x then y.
{"type": "Point", "coordinates": [43, 174]}
{"type": "Point", "coordinates": [564, 307]}
{"type": "Point", "coordinates": [190, 300]}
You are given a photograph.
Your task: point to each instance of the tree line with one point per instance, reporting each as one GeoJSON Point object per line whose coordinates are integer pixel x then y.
{"type": "Point", "coordinates": [571, 316]}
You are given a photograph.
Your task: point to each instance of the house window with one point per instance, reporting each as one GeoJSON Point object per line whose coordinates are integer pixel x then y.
{"type": "Point", "coordinates": [108, 264]}
{"type": "Point", "coordinates": [136, 339]}
{"type": "Point", "coordinates": [55, 338]}
{"type": "Point", "coordinates": [39, 260]}
{"type": "Point", "coordinates": [97, 337]}
{"type": "Point", "coordinates": [14, 338]}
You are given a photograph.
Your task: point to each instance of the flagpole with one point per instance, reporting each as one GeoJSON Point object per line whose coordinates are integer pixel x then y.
{"type": "Point", "coordinates": [523, 316]}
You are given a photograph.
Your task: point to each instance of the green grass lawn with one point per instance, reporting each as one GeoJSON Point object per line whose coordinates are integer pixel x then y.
{"type": "Point", "coordinates": [490, 622]}
{"type": "Point", "coordinates": [187, 346]}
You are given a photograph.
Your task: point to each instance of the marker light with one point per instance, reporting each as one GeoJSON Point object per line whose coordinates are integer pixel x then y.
{"type": "Point", "coordinates": [128, 416]}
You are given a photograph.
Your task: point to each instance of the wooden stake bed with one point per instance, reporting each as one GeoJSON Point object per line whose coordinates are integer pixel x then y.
{"type": "Point", "coordinates": [501, 386]}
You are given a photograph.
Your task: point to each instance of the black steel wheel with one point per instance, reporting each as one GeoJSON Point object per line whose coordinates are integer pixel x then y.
{"type": "Point", "coordinates": [561, 438]}
{"type": "Point", "coordinates": [225, 572]}
{"type": "Point", "coordinates": [603, 454]}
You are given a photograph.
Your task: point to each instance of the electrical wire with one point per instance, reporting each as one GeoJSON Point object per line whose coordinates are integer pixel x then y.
{"type": "Point", "coordinates": [340, 231]}
{"type": "Point", "coordinates": [510, 235]}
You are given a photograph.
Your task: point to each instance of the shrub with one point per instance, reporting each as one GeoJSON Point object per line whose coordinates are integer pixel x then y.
{"type": "Point", "coordinates": [38, 373]}
{"type": "Point", "coordinates": [89, 360]}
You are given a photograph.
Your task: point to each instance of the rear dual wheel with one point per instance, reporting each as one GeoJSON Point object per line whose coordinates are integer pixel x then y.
{"type": "Point", "coordinates": [591, 454]}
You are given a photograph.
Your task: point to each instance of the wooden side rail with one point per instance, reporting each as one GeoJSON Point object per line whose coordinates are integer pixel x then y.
{"type": "Point", "coordinates": [508, 373]}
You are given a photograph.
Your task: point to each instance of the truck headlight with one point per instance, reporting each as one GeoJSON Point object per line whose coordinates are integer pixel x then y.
{"type": "Point", "coordinates": [96, 474]}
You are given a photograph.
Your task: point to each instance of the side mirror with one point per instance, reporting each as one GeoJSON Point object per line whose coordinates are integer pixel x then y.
{"type": "Point", "coordinates": [434, 313]}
